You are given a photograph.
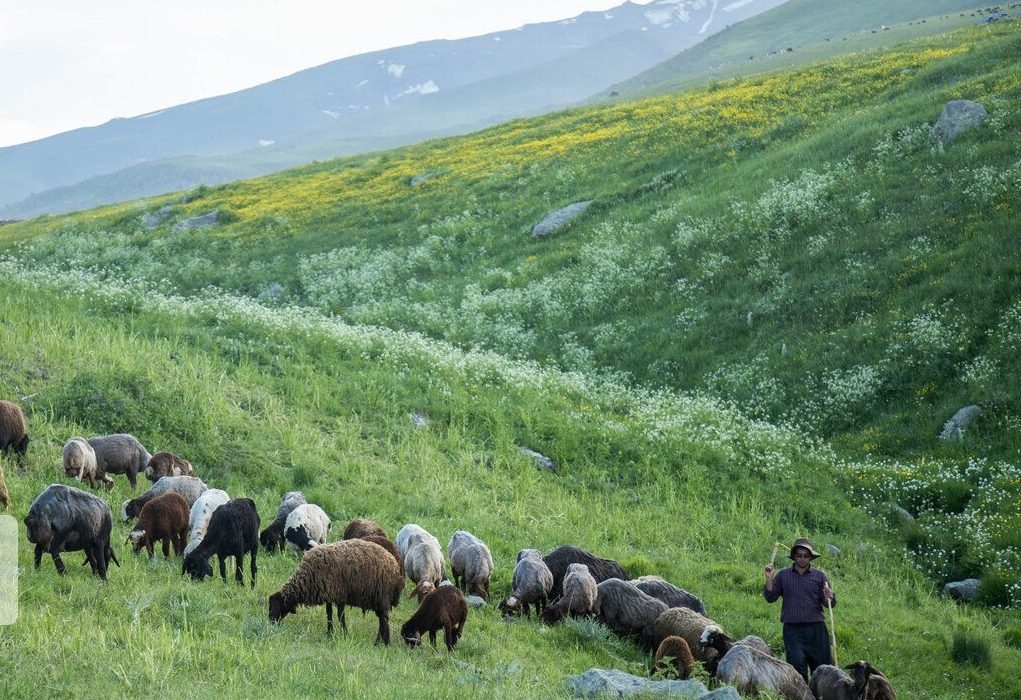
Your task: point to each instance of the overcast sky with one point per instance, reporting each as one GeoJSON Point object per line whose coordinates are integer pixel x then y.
{"type": "Point", "coordinates": [65, 64]}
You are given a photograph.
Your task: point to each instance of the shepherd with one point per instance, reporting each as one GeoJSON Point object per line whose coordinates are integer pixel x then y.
{"type": "Point", "coordinates": [805, 591]}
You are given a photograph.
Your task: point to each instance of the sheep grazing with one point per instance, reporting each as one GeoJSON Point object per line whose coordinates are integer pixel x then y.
{"type": "Point", "coordinates": [670, 594]}
{"type": "Point", "coordinates": [410, 535]}
{"type": "Point", "coordinates": [273, 536]}
{"type": "Point", "coordinates": [307, 526]}
{"type": "Point", "coordinates": [629, 612]}
{"type": "Point", "coordinates": [350, 572]}
{"type": "Point", "coordinates": [444, 608]}
{"type": "Point", "coordinates": [233, 530]}
{"type": "Point", "coordinates": [530, 584]}
{"type": "Point", "coordinates": [471, 563]}
{"type": "Point", "coordinates": [163, 518]}
{"type": "Point", "coordinates": [360, 528]}
{"type": "Point", "coordinates": [79, 461]}
{"type": "Point", "coordinates": [63, 518]}
{"type": "Point", "coordinates": [387, 544]}
{"type": "Point", "coordinates": [424, 565]}
{"type": "Point", "coordinates": [13, 436]}
{"type": "Point", "coordinates": [201, 512]}
{"type": "Point", "coordinates": [167, 464]}
{"type": "Point", "coordinates": [673, 659]}
{"type": "Point", "coordinates": [117, 454]}
{"type": "Point", "coordinates": [688, 625]}
{"type": "Point", "coordinates": [189, 487]}
{"type": "Point", "coordinates": [563, 556]}
{"type": "Point", "coordinates": [864, 683]}
{"type": "Point", "coordinates": [750, 670]}
{"type": "Point", "coordinates": [579, 598]}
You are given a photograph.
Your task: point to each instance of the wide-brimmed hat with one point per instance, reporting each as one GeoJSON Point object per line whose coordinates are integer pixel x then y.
{"type": "Point", "coordinates": [804, 543]}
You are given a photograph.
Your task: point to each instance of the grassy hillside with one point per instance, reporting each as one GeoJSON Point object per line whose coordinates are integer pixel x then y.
{"type": "Point", "coordinates": [782, 290]}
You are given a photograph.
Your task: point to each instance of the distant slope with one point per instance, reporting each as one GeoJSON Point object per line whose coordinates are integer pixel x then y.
{"type": "Point", "coordinates": [382, 98]}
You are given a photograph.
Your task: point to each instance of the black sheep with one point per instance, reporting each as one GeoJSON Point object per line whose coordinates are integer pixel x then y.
{"type": "Point", "coordinates": [63, 518]}
{"type": "Point", "coordinates": [563, 556]}
{"type": "Point", "coordinates": [443, 608]}
{"type": "Point", "coordinates": [233, 530]}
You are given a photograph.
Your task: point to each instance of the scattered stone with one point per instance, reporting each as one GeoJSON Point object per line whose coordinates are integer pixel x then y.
{"type": "Point", "coordinates": [419, 420]}
{"type": "Point", "coordinates": [958, 116]}
{"type": "Point", "coordinates": [197, 222]}
{"type": "Point", "coordinates": [153, 219]}
{"type": "Point", "coordinates": [560, 218]}
{"type": "Point", "coordinates": [901, 514]}
{"type": "Point", "coordinates": [541, 460]}
{"type": "Point", "coordinates": [597, 682]}
{"type": "Point", "coordinates": [964, 591]}
{"type": "Point", "coordinates": [832, 549]}
{"type": "Point", "coordinates": [476, 601]}
{"type": "Point", "coordinates": [727, 692]}
{"type": "Point", "coordinates": [954, 428]}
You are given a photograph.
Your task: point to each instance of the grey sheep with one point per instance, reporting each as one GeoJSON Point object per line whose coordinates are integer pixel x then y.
{"type": "Point", "coordinates": [580, 594]}
{"type": "Point", "coordinates": [167, 464]}
{"type": "Point", "coordinates": [530, 584]}
{"type": "Point", "coordinates": [750, 670]}
{"type": "Point", "coordinates": [670, 594]}
{"type": "Point", "coordinates": [423, 564]}
{"type": "Point", "coordinates": [689, 626]}
{"type": "Point", "coordinates": [471, 563]}
{"type": "Point", "coordinates": [629, 612]}
{"type": "Point", "coordinates": [119, 454]}
{"type": "Point", "coordinates": [273, 536]}
{"type": "Point", "coordinates": [360, 528]}
{"type": "Point", "coordinates": [444, 608]}
{"type": "Point", "coordinates": [864, 683]}
{"type": "Point", "coordinates": [410, 535]}
{"type": "Point", "coordinates": [189, 487]}
{"type": "Point", "coordinates": [65, 519]}
{"type": "Point", "coordinates": [163, 518]}
{"type": "Point", "coordinates": [350, 572]}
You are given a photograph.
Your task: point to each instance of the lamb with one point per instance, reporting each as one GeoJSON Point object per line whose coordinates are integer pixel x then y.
{"type": "Point", "coordinates": [167, 464]}
{"type": "Point", "coordinates": [233, 530]}
{"type": "Point", "coordinates": [749, 669]}
{"type": "Point", "coordinates": [688, 625]}
{"type": "Point", "coordinates": [864, 683]}
{"type": "Point", "coordinates": [307, 526]}
{"type": "Point", "coordinates": [444, 608]}
{"type": "Point", "coordinates": [410, 535]}
{"type": "Point", "coordinates": [350, 572]}
{"type": "Point", "coordinates": [273, 536]}
{"type": "Point", "coordinates": [471, 563]}
{"type": "Point", "coordinates": [423, 564]}
{"type": "Point", "coordinates": [13, 435]}
{"type": "Point", "coordinates": [360, 528]}
{"type": "Point", "coordinates": [530, 584]}
{"type": "Point", "coordinates": [190, 487]}
{"type": "Point", "coordinates": [670, 594]}
{"type": "Point", "coordinates": [579, 598]}
{"type": "Point", "coordinates": [673, 659]}
{"type": "Point", "coordinates": [63, 518]}
{"type": "Point", "coordinates": [563, 556]}
{"type": "Point", "coordinates": [627, 611]}
{"type": "Point", "coordinates": [163, 518]}
{"type": "Point", "coordinates": [201, 511]}
{"type": "Point", "coordinates": [116, 454]}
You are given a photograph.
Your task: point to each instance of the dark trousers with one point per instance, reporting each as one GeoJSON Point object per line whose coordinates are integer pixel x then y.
{"type": "Point", "coordinates": [807, 645]}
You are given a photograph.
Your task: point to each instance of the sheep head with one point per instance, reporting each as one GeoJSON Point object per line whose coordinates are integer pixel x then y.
{"type": "Point", "coordinates": [280, 607]}
{"type": "Point", "coordinates": [413, 640]}
{"type": "Point", "coordinates": [715, 638]}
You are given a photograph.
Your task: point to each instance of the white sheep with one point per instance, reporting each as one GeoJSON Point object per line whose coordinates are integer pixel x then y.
{"type": "Point", "coordinates": [424, 566]}
{"type": "Point", "coordinates": [410, 535]}
{"type": "Point", "coordinates": [307, 526]}
{"type": "Point", "coordinates": [201, 512]}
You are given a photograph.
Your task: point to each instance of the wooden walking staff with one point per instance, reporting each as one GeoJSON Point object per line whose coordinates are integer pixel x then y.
{"type": "Point", "coordinates": [833, 631]}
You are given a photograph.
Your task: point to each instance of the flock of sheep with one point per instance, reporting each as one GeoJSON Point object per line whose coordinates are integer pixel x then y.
{"type": "Point", "coordinates": [367, 570]}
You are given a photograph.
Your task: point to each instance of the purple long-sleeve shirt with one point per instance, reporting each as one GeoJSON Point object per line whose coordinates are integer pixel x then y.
{"type": "Point", "coordinates": [803, 600]}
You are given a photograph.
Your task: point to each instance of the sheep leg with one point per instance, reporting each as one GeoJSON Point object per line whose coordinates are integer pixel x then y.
{"type": "Point", "coordinates": [166, 547]}
{"type": "Point", "coordinates": [342, 617]}
{"type": "Point", "coordinates": [38, 555]}
{"type": "Point", "coordinates": [239, 563]}
{"type": "Point", "coordinates": [254, 551]}
{"type": "Point", "coordinates": [97, 559]}
{"type": "Point", "coordinates": [55, 546]}
{"type": "Point", "coordinates": [329, 619]}
{"type": "Point", "coordinates": [384, 627]}
{"type": "Point", "coordinates": [450, 636]}
{"type": "Point", "coordinates": [132, 473]}
{"type": "Point", "coordinates": [223, 566]}
{"type": "Point", "coordinates": [432, 637]}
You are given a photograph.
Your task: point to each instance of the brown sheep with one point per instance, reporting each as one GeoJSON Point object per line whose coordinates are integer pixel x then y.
{"type": "Point", "coordinates": [387, 544]}
{"type": "Point", "coordinates": [167, 464]}
{"type": "Point", "coordinates": [689, 626]}
{"type": "Point", "coordinates": [673, 659]}
{"type": "Point", "coordinates": [163, 518]}
{"type": "Point", "coordinates": [13, 438]}
{"type": "Point", "coordinates": [444, 608]}
{"type": "Point", "coordinates": [349, 572]}
{"type": "Point", "coordinates": [360, 528]}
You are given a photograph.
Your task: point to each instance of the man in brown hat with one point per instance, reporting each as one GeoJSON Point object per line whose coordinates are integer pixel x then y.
{"type": "Point", "coordinates": [805, 592]}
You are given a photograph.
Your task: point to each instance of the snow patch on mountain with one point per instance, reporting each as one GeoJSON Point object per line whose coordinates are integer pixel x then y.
{"type": "Point", "coordinates": [737, 5]}
{"type": "Point", "coordinates": [395, 69]}
{"type": "Point", "coordinates": [422, 88]}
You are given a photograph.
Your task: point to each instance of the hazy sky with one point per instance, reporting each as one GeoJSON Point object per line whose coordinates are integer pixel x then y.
{"type": "Point", "coordinates": [65, 64]}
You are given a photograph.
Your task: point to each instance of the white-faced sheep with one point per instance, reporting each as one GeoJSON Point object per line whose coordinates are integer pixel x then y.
{"type": "Point", "coordinates": [233, 530]}
{"type": "Point", "coordinates": [273, 536]}
{"type": "Point", "coordinates": [66, 519]}
{"type": "Point", "coordinates": [442, 609]}
{"type": "Point", "coordinates": [750, 670]}
{"type": "Point", "coordinates": [163, 518]}
{"type": "Point", "coordinates": [689, 626]}
{"type": "Point", "coordinates": [200, 514]}
{"type": "Point", "coordinates": [189, 487]}
{"type": "Point", "coordinates": [629, 612]}
{"type": "Point", "coordinates": [471, 563]}
{"type": "Point", "coordinates": [167, 464]}
{"type": "Point", "coordinates": [673, 659]}
{"type": "Point", "coordinates": [360, 528]}
{"type": "Point", "coordinates": [670, 594]}
{"type": "Point", "coordinates": [350, 572]}
{"type": "Point", "coordinates": [410, 535]}
{"type": "Point", "coordinates": [117, 454]}
{"type": "Point", "coordinates": [307, 526]}
{"type": "Point", "coordinates": [530, 584]}
{"type": "Point", "coordinates": [424, 565]}
{"type": "Point", "coordinates": [563, 556]}
{"type": "Point", "coordinates": [865, 682]}
{"type": "Point", "coordinates": [580, 594]}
